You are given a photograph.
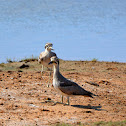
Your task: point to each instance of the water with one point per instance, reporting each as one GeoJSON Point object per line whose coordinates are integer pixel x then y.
{"type": "Point", "coordinates": [79, 29]}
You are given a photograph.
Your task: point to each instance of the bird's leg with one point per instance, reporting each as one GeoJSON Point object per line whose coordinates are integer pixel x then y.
{"type": "Point", "coordinates": [58, 102]}
{"type": "Point", "coordinates": [62, 101]}
{"type": "Point", "coordinates": [42, 70]}
{"type": "Point", "coordinates": [49, 77]}
{"type": "Point", "coordinates": [62, 98]}
{"type": "Point", "coordinates": [68, 100]}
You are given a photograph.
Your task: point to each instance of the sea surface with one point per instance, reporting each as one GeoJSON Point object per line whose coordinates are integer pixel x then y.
{"type": "Point", "coordinates": [78, 29]}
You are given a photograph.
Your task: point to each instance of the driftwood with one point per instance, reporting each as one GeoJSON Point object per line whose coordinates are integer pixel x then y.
{"type": "Point", "coordinates": [92, 83]}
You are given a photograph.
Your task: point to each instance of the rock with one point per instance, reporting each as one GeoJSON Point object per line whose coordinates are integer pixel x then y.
{"type": "Point", "coordinates": [20, 71]}
{"type": "Point", "coordinates": [24, 66]}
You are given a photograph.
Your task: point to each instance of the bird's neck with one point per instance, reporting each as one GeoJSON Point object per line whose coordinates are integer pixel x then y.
{"type": "Point", "coordinates": [46, 50]}
{"type": "Point", "coordinates": [56, 71]}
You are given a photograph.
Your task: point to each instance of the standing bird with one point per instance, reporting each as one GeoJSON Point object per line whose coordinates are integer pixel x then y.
{"type": "Point", "coordinates": [65, 86]}
{"type": "Point", "coordinates": [44, 58]}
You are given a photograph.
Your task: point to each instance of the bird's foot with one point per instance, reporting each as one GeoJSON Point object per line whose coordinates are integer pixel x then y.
{"type": "Point", "coordinates": [55, 102]}
{"type": "Point", "coordinates": [59, 103]}
{"type": "Point", "coordinates": [47, 85]}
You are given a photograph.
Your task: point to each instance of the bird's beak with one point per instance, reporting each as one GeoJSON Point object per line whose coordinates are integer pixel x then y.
{"type": "Point", "coordinates": [51, 62]}
{"type": "Point", "coordinates": [51, 48]}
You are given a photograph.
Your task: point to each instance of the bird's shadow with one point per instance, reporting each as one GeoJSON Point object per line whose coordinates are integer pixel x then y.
{"type": "Point", "coordinates": [98, 108]}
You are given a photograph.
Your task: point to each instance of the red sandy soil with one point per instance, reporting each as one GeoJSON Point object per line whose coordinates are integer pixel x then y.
{"type": "Point", "coordinates": [23, 95]}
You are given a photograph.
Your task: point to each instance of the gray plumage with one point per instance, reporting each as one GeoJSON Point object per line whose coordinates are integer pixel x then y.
{"type": "Point", "coordinates": [65, 86]}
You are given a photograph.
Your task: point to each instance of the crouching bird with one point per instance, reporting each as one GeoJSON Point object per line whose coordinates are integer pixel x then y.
{"type": "Point", "coordinates": [44, 58]}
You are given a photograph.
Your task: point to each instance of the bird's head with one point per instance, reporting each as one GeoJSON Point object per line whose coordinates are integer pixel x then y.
{"type": "Point", "coordinates": [48, 46]}
{"type": "Point", "coordinates": [54, 60]}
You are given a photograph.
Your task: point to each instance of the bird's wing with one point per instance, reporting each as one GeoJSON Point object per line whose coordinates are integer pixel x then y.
{"type": "Point", "coordinates": [67, 83]}
{"type": "Point", "coordinates": [42, 56]}
{"type": "Point", "coordinates": [71, 88]}
{"type": "Point", "coordinates": [52, 54]}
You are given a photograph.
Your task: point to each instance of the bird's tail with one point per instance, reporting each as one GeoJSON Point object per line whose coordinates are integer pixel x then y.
{"type": "Point", "coordinates": [89, 94]}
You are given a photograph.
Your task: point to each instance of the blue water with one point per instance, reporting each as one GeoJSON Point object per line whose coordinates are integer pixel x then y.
{"type": "Point", "coordinates": [79, 29]}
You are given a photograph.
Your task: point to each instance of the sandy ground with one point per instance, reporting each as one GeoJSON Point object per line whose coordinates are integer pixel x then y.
{"type": "Point", "coordinates": [23, 95]}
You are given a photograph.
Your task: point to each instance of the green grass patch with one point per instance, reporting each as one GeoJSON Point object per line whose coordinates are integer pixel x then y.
{"type": "Point", "coordinates": [2, 65]}
{"type": "Point", "coordinates": [94, 60]}
{"type": "Point", "coordinates": [101, 123]}
{"type": "Point", "coordinates": [119, 123]}
{"type": "Point", "coordinates": [61, 124]}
